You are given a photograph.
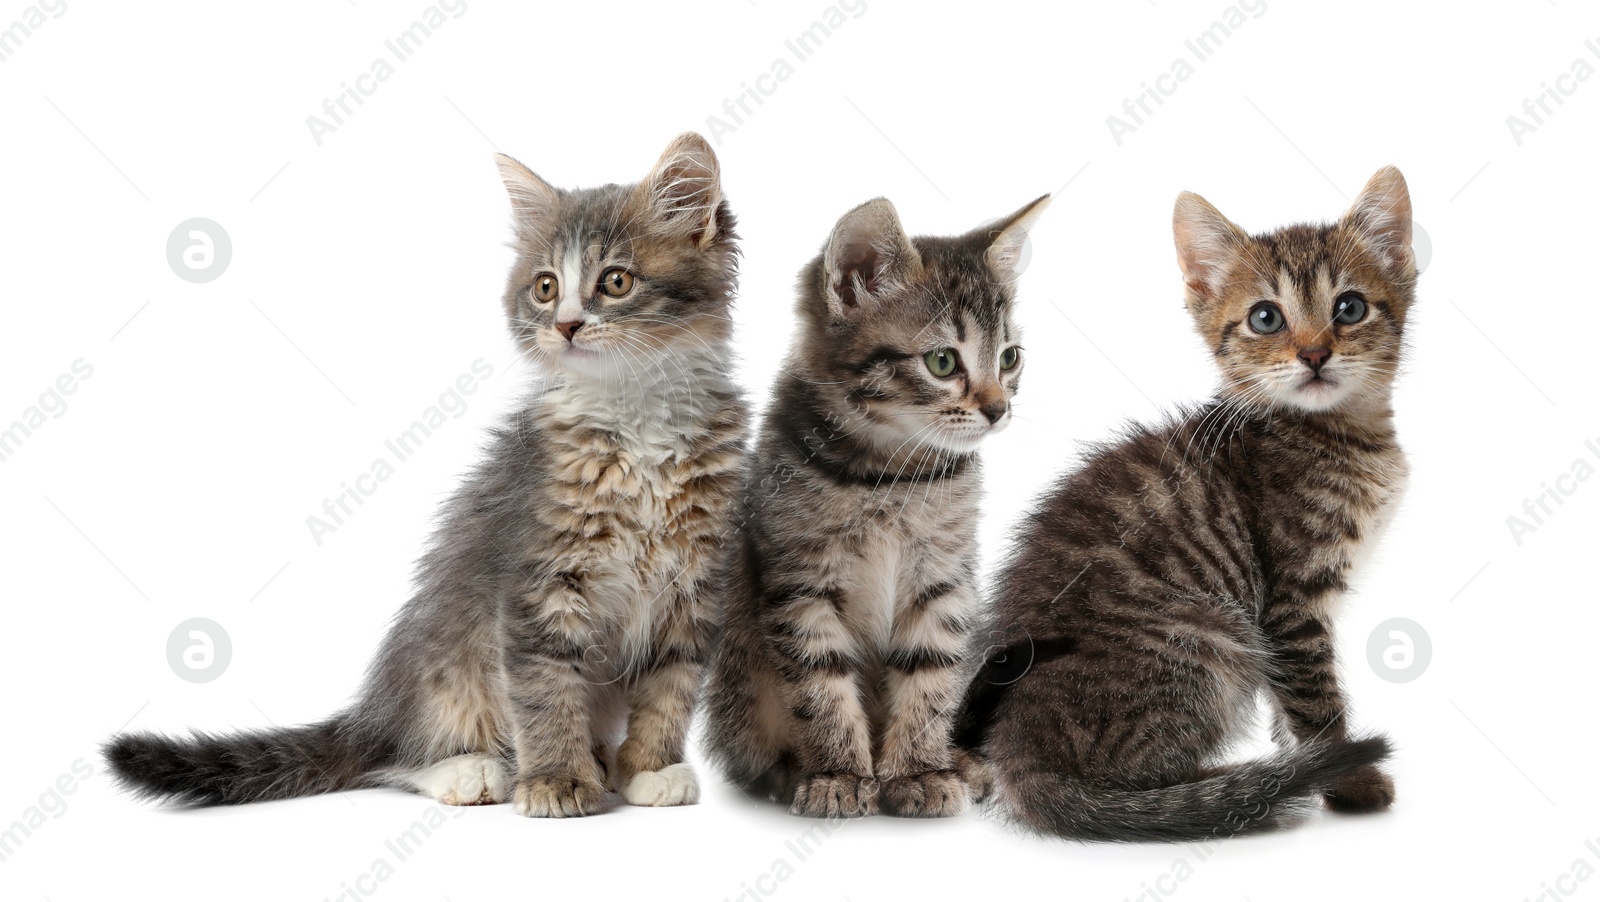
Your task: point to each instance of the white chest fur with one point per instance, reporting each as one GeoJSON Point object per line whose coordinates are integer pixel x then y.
{"type": "Point", "coordinates": [618, 452]}
{"type": "Point", "coordinates": [1392, 481]}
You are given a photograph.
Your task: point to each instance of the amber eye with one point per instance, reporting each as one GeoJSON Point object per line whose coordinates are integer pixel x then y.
{"type": "Point", "coordinates": [545, 287]}
{"type": "Point", "coordinates": [616, 282]}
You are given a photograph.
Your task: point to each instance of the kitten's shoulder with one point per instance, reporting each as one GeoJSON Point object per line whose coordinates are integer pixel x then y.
{"type": "Point", "coordinates": [1161, 444]}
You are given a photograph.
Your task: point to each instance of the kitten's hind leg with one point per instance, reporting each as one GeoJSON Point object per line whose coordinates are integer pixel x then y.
{"type": "Point", "coordinates": [776, 782]}
{"type": "Point", "coordinates": [472, 779]}
{"type": "Point", "coordinates": [747, 729]}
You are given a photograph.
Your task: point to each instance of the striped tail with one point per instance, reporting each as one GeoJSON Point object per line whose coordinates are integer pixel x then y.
{"type": "Point", "coordinates": [256, 766]}
{"type": "Point", "coordinates": [1246, 798]}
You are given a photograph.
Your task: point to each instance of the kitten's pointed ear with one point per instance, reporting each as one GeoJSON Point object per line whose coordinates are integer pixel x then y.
{"type": "Point", "coordinates": [1008, 237]}
{"type": "Point", "coordinates": [1382, 212]}
{"type": "Point", "coordinates": [682, 193]}
{"type": "Point", "coordinates": [1206, 242]}
{"type": "Point", "coordinates": [867, 254]}
{"type": "Point", "coordinates": [533, 200]}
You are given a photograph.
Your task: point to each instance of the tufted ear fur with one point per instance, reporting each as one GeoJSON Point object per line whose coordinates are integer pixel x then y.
{"type": "Point", "coordinates": [1008, 237]}
{"type": "Point", "coordinates": [1206, 242]}
{"type": "Point", "coordinates": [867, 254]}
{"type": "Point", "coordinates": [1382, 213]}
{"type": "Point", "coordinates": [533, 200]}
{"type": "Point", "coordinates": [682, 193]}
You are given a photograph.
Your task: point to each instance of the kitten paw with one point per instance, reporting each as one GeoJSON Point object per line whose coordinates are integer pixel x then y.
{"type": "Point", "coordinates": [834, 795]}
{"type": "Point", "coordinates": [1364, 790]}
{"type": "Point", "coordinates": [464, 780]}
{"type": "Point", "coordinates": [938, 793]}
{"type": "Point", "coordinates": [551, 795]}
{"type": "Point", "coordinates": [776, 785]}
{"type": "Point", "coordinates": [674, 784]}
{"type": "Point", "coordinates": [975, 771]}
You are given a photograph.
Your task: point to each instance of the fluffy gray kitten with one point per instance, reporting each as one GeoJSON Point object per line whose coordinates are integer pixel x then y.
{"type": "Point", "coordinates": [568, 596]}
{"type": "Point", "coordinates": [854, 586]}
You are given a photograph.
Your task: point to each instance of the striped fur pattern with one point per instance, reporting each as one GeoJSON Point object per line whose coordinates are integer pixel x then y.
{"type": "Point", "coordinates": [1155, 591]}
{"type": "Point", "coordinates": [853, 591]}
{"type": "Point", "coordinates": [555, 642]}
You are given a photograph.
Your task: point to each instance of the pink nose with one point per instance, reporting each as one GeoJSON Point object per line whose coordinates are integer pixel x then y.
{"type": "Point", "coordinates": [568, 330]}
{"type": "Point", "coordinates": [1315, 357]}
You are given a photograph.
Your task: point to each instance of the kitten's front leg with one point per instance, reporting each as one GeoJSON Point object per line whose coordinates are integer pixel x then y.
{"type": "Point", "coordinates": [1305, 686]}
{"type": "Point", "coordinates": [650, 766]}
{"type": "Point", "coordinates": [548, 701]}
{"type": "Point", "coordinates": [922, 689]}
{"type": "Point", "coordinates": [817, 660]}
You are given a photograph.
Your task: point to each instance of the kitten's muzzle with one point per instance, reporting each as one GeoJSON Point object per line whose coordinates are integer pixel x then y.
{"type": "Point", "coordinates": [1315, 358]}
{"type": "Point", "coordinates": [569, 329]}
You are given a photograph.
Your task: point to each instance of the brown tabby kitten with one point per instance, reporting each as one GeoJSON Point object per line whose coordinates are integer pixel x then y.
{"type": "Point", "coordinates": [1158, 588]}
{"type": "Point", "coordinates": [853, 591]}
{"type": "Point", "coordinates": [569, 595]}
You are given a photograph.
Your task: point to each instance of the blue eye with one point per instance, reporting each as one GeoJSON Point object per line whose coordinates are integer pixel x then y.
{"type": "Point", "coordinates": [1349, 308]}
{"type": "Point", "coordinates": [1265, 318]}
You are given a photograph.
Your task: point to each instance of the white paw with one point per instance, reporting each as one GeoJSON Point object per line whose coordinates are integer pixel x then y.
{"type": "Point", "coordinates": [464, 780]}
{"type": "Point", "coordinates": [672, 785]}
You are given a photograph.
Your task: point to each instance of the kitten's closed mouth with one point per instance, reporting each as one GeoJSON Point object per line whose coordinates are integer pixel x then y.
{"type": "Point", "coordinates": [967, 437]}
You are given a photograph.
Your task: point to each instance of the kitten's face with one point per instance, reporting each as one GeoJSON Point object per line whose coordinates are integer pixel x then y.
{"type": "Point", "coordinates": [623, 280]}
{"type": "Point", "coordinates": [1307, 317]}
{"type": "Point", "coordinates": [913, 340]}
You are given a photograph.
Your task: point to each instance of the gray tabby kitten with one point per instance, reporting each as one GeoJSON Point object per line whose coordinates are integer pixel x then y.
{"type": "Point", "coordinates": [854, 588]}
{"type": "Point", "coordinates": [569, 595]}
{"type": "Point", "coordinates": [1154, 592]}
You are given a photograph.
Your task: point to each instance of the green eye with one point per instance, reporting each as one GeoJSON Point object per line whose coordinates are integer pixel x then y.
{"type": "Point", "coordinates": [1349, 309]}
{"type": "Point", "coordinates": [1010, 357]}
{"type": "Point", "coordinates": [942, 362]}
{"type": "Point", "coordinates": [1265, 318]}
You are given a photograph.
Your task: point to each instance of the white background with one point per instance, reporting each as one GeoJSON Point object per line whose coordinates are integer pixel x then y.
{"type": "Point", "coordinates": [365, 278]}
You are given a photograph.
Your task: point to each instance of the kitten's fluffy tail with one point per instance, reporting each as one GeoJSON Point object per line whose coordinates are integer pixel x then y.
{"type": "Point", "coordinates": [1246, 798]}
{"type": "Point", "coordinates": [256, 766]}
